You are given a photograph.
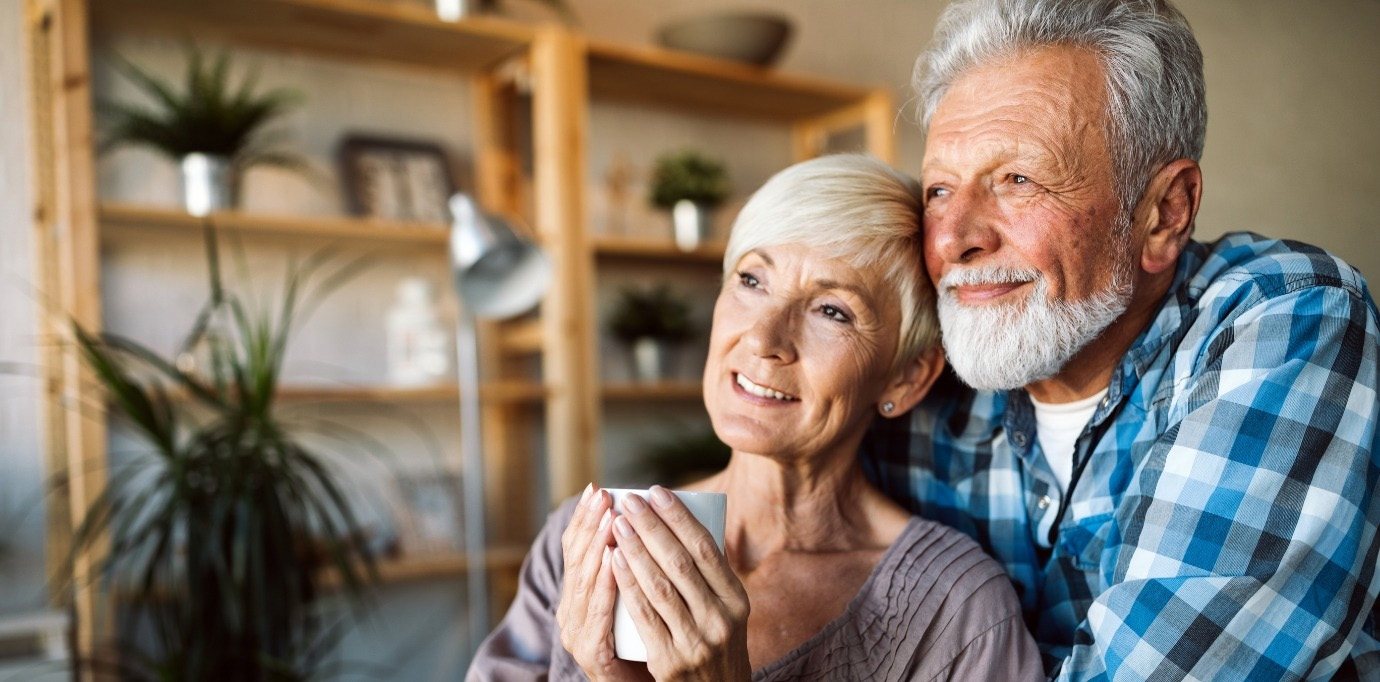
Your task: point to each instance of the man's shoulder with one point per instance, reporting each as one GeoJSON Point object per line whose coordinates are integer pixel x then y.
{"type": "Point", "coordinates": [1241, 269]}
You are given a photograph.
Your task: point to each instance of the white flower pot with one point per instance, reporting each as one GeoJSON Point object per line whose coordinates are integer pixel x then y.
{"type": "Point", "coordinates": [691, 223]}
{"type": "Point", "coordinates": [651, 360]}
{"type": "Point", "coordinates": [209, 184]}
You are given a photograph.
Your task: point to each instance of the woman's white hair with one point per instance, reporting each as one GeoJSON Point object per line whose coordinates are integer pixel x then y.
{"type": "Point", "coordinates": [853, 207]}
{"type": "Point", "coordinates": [1157, 109]}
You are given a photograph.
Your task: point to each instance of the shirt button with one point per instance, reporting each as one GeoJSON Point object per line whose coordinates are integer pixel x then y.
{"type": "Point", "coordinates": [1018, 438]}
{"type": "Point", "coordinates": [1044, 502]}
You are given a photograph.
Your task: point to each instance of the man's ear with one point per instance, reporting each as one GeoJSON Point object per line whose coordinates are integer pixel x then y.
{"type": "Point", "coordinates": [912, 382]}
{"type": "Point", "coordinates": [1167, 211]}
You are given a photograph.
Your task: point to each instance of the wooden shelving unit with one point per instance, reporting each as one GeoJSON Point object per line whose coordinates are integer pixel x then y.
{"type": "Point", "coordinates": [437, 566]}
{"type": "Point", "coordinates": [655, 251]}
{"type": "Point", "coordinates": [667, 391]}
{"type": "Point", "coordinates": [353, 30]}
{"type": "Point", "coordinates": [551, 73]}
{"type": "Point", "coordinates": [124, 218]}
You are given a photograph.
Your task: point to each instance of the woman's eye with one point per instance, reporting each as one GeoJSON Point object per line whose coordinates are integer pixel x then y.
{"type": "Point", "coordinates": [747, 280]}
{"type": "Point", "coordinates": [936, 192]}
{"type": "Point", "coordinates": [834, 313]}
{"type": "Point", "coordinates": [1019, 179]}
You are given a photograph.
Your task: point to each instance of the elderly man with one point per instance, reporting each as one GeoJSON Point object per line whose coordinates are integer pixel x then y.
{"type": "Point", "coordinates": [1170, 445]}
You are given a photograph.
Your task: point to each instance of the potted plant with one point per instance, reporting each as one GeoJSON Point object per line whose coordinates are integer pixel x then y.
{"type": "Point", "coordinates": [690, 185]}
{"type": "Point", "coordinates": [212, 130]}
{"type": "Point", "coordinates": [683, 457]}
{"type": "Point", "coordinates": [650, 322]}
{"type": "Point", "coordinates": [214, 541]}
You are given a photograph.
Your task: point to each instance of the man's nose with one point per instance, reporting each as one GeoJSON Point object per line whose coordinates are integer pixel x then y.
{"type": "Point", "coordinates": [965, 228]}
{"type": "Point", "coordinates": [772, 334]}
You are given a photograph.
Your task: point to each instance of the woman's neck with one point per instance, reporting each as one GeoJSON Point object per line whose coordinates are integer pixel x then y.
{"type": "Point", "coordinates": [810, 507]}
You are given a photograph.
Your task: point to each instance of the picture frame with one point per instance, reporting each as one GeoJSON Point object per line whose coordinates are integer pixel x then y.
{"type": "Point", "coordinates": [427, 511]}
{"type": "Point", "coordinates": [396, 178]}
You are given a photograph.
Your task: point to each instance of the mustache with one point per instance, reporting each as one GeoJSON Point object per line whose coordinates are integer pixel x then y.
{"type": "Point", "coordinates": [987, 274]}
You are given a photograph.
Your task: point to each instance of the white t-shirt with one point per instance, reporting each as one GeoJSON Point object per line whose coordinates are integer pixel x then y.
{"type": "Point", "coordinates": [1058, 426]}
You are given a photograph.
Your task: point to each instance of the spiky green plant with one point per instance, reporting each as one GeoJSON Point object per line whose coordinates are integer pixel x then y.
{"type": "Point", "coordinates": [207, 115]}
{"type": "Point", "coordinates": [216, 539]}
{"type": "Point", "coordinates": [689, 175]}
{"type": "Point", "coordinates": [656, 313]}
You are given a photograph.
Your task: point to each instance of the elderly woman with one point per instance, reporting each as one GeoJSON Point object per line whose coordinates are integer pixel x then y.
{"type": "Point", "coordinates": [825, 319]}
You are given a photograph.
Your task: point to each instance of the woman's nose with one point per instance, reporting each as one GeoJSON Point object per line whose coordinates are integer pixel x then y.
{"type": "Point", "coordinates": [965, 228]}
{"type": "Point", "coordinates": [772, 334]}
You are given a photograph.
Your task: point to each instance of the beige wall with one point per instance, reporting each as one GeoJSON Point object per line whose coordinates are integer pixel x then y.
{"type": "Point", "coordinates": [1293, 97]}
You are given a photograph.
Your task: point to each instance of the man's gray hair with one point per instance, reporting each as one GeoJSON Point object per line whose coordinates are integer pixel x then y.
{"type": "Point", "coordinates": [1157, 110]}
{"type": "Point", "coordinates": [856, 208]}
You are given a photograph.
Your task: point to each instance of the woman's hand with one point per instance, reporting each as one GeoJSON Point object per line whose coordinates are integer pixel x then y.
{"type": "Point", "coordinates": [588, 591]}
{"type": "Point", "coordinates": [689, 607]}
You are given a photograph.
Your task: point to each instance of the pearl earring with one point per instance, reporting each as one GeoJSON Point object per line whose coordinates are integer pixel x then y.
{"type": "Point", "coordinates": [888, 406]}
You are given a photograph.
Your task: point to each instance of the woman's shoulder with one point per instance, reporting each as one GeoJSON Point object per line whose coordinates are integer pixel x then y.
{"type": "Point", "coordinates": [934, 563]}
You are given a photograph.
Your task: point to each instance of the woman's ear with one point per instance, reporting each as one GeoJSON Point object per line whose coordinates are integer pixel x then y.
{"type": "Point", "coordinates": [911, 383]}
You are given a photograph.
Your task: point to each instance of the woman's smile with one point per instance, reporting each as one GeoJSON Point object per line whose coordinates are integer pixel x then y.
{"type": "Point", "coordinates": [759, 394]}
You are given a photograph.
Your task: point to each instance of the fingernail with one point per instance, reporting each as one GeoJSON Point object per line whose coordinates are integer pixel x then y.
{"type": "Point", "coordinates": [604, 520]}
{"type": "Point", "coordinates": [661, 497]}
{"type": "Point", "coordinates": [618, 559]}
{"type": "Point", "coordinates": [623, 527]}
{"type": "Point", "coordinates": [604, 560]}
{"type": "Point", "coordinates": [633, 504]}
{"type": "Point", "coordinates": [584, 496]}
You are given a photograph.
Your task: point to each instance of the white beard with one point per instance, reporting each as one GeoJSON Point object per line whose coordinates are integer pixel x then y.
{"type": "Point", "coordinates": [1000, 347]}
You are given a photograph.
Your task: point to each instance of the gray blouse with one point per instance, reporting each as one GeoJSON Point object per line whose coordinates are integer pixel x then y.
{"type": "Point", "coordinates": [934, 608]}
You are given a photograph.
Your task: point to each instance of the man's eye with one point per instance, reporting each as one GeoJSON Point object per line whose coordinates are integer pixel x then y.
{"type": "Point", "coordinates": [747, 280]}
{"type": "Point", "coordinates": [936, 192]}
{"type": "Point", "coordinates": [834, 313]}
{"type": "Point", "coordinates": [1019, 179]}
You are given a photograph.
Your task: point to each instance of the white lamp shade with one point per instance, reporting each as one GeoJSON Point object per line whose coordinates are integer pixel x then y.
{"type": "Point", "coordinates": [497, 274]}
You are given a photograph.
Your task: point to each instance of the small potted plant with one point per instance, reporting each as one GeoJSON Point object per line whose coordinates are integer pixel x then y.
{"type": "Point", "coordinates": [684, 455]}
{"type": "Point", "coordinates": [650, 322]}
{"type": "Point", "coordinates": [212, 130]}
{"type": "Point", "coordinates": [690, 185]}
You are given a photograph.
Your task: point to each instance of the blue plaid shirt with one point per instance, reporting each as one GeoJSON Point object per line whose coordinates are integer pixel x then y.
{"type": "Point", "coordinates": [1222, 518]}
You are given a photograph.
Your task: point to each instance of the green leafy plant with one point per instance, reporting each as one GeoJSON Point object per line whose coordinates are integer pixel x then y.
{"type": "Point", "coordinates": [216, 539]}
{"type": "Point", "coordinates": [206, 116]}
{"type": "Point", "coordinates": [657, 313]}
{"type": "Point", "coordinates": [688, 175]}
{"type": "Point", "coordinates": [685, 456]}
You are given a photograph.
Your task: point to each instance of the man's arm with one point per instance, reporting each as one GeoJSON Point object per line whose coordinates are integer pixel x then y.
{"type": "Point", "coordinates": [1248, 542]}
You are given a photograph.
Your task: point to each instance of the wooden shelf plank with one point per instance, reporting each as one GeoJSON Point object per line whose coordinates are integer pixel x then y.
{"type": "Point", "coordinates": [493, 392]}
{"type": "Point", "coordinates": [642, 249]}
{"type": "Point", "coordinates": [125, 217]}
{"type": "Point", "coordinates": [435, 567]}
{"type": "Point", "coordinates": [668, 391]}
{"type": "Point", "coordinates": [680, 80]}
{"type": "Point", "coordinates": [511, 392]}
{"type": "Point", "coordinates": [358, 30]}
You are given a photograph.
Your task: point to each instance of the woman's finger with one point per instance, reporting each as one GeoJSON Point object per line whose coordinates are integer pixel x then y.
{"type": "Point", "coordinates": [656, 637]}
{"type": "Point", "coordinates": [697, 542]}
{"type": "Point", "coordinates": [672, 556]}
{"type": "Point", "coordinates": [663, 593]}
{"type": "Point", "coordinates": [576, 534]}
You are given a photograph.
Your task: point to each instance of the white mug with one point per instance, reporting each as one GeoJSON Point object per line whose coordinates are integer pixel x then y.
{"type": "Point", "coordinates": [708, 509]}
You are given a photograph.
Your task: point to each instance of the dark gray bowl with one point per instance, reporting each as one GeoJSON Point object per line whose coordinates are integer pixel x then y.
{"type": "Point", "coordinates": [749, 37]}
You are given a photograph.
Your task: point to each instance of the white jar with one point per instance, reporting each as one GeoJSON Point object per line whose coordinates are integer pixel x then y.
{"type": "Point", "coordinates": [419, 344]}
